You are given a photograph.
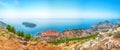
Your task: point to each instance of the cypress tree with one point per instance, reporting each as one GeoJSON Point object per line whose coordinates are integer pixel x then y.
{"type": "Point", "coordinates": [18, 33]}
{"type": "Point", "coordinates": [8, 27]}
{"type": "Point", "coordinates": [13, 29]}
{"type": "Point", "coordinates": [22, 34]}
{"type": "Point", "coordinates": [27, 36]}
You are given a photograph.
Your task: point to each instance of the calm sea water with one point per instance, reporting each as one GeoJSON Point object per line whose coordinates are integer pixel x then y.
{"type": "Point", "coordinates": [54, 24]}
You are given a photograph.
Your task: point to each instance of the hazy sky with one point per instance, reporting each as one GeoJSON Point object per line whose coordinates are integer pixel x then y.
{"type": "Point", "coordinates": [60, 9]}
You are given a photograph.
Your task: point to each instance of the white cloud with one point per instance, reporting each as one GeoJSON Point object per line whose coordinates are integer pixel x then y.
{"type": "Point", "coordinates": [100, 15]}
{"type": "Point", "coordinates": [57, 14]}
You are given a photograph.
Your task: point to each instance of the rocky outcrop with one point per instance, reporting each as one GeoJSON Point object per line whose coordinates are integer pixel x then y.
{"type": "Point", "coordinates": [104, 25]}
{"type": "Point", "coordinates": [76, 33]}
{"type": "Point", "coordinates": [102, 42]}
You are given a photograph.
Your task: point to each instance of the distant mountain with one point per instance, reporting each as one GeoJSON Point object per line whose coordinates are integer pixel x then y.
{"type": "Point", "coordinates": [104, 25]}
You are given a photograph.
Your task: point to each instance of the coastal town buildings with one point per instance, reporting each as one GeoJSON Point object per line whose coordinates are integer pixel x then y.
{"type": "Point", "coordinates": [49, 34]}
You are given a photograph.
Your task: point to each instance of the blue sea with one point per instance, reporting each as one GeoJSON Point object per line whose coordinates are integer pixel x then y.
{"type": "Point", "coordinates": [54, 24]}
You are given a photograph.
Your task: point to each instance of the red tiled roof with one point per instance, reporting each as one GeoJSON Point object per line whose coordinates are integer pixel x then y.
{"type": "Point", "coordinates": [50, 33]}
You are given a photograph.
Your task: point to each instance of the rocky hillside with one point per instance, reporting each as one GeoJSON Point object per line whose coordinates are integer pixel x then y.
{"type": "Point", "coordinates": [9, 41]}
{"type": "Point", "coordinates": [104, 25]}
{"type": "Point", "coordinates": [105, 41]}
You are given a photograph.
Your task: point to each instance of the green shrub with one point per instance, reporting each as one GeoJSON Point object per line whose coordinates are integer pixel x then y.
{"type": "Point", "coordinates": [8, 27]}
{"type": "Point", "coordinates": [27, 36]}
{"type": "Point", "coordinates": [72, 39]}
{"type": "Point", "coordinates": [118, 25]}
{"type": "Point", "coordinates": [117, 34]}
{"type": "Point", "coordinates": [20, 33]}
{"type": "Point", "coordinates": [11, 28]}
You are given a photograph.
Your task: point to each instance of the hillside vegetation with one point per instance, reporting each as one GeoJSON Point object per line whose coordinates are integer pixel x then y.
{"type": "Point", "coordinates": [19, 33]}
{"type": "Point", "coordinates": [9, 41]}
{"type": "Point", "coordinates": [67, 40]}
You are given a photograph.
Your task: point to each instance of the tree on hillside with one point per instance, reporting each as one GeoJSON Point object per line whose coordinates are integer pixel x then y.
{"type": "Point", "coordinates": [13, 29]}
{"type": "Point", "coordinates": [20, 33]}
{"type": "Point", "coordinates": [27, 36]}
{"type": "Point", "coordinates": [8, 27]}
{"type": "Point", "coordinates": [118, 25]}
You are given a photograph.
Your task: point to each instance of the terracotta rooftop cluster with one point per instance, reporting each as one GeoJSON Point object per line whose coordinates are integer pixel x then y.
{"type": "Point", "coordinates": [50, 33]}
